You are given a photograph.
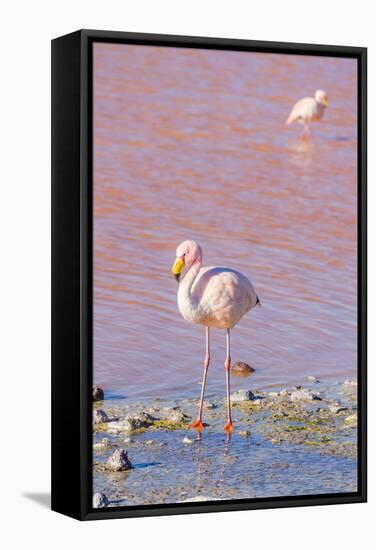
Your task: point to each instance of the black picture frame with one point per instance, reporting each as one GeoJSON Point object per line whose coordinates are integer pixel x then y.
{"type": "Point", "coordinates": [72, 273]}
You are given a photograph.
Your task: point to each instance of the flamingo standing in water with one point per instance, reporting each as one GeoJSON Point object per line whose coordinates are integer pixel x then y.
{"type": "Point", "coordinates": [309, 109]}
{"type": "Point", "coordinates": [217, 297]}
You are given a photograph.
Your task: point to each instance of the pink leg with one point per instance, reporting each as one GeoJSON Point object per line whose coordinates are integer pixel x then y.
{"type": "Point", "coordinates": [198, 424]}
{"type": "Point", "coordinates": [228, 426]}
{"type": "Point", "coordinates": [305, 134]}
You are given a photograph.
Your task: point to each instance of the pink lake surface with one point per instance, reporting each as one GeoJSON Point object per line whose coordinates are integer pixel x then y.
{"type": "Point", "coordinates": [193, 144]}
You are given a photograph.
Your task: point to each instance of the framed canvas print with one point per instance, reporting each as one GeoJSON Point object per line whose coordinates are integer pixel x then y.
{"type": "Point", "coordinates": [209, 274]}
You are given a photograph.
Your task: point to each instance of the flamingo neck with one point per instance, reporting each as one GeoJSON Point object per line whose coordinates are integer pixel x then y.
{"type": "Point", "coordinates": [190, 276]}
{"type": "Point", "coordinates": [187, 303]}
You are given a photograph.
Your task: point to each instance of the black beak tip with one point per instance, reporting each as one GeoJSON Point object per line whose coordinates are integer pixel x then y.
{"type": "Point", "coordinates": [177, 277]}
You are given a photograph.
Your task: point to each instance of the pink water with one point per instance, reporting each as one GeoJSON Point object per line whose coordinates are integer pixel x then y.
{"type": "Point", "coordinates": [192, 144]}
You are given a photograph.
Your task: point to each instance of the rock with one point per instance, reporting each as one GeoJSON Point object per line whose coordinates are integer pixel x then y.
{"type": "Point", "coordinates": [100, 500]}
{"type": "Point", "coordinates": [140, 419]}
{"type": "Point", "coordinates": [98, 393]}
{"type": "Point", "coordinates": [209, 405]}
{"type": "Point", "coordinates": [336, 408]}
{"type": "Point", "coordinates": [273, 394]}
{"type": "Point", "coordinates": [312, 378]}
{"type": "Point", "coordinates": [175, 415]}
{"type": "Point", "coordinates": [304, 395]}
{"type": "Point", "coordinates": [187, 441]}
{"type": "Point", "coordinates": [131, 423]}
{"type": "Point", "coordinates": [99, 416]}
{"type": "Point", "coordinates": [242, 369]}
{"type": "Point", "coordinates": [241, 395]}
{"type": "Point", "coordinates": [119, 461]}
{"type": "Point", "coordinates": [105, 443]}
{"type": "Point", "coordinates": [244, 433]}
{"type": "Point", "coordinates": [352, 421]}
{"type": "Point", "coordinates": [284, 393]}
{"type": "Point", "coordinates": [156, 444]}
{"type": "Point", "coordinates": [120, 426]}
{"type": "Point", "coordinates": [125, 425]}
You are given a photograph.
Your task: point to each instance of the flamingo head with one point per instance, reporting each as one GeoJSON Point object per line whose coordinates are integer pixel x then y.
{"type": "Point", "coordinates": [187, 254]}
{"type": "Point", "coordinates": [321, 97]}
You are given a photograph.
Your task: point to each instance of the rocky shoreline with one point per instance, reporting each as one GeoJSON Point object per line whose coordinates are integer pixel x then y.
{"type": "Point", "coordinates": [300, 440]}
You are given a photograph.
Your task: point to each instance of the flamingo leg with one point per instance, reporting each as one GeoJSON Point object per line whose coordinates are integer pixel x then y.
{"type": "Point", "coordinates": [305, 134]}
{"type": "Point", "coordinates": [198, 423]}
{"type": "Point", "coordinates": [228, 426]}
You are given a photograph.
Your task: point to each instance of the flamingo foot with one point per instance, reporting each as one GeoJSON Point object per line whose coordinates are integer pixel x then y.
{"type": "Point", "coordinates": [229, 427]}
{"type": "Point", "coordinates": [198, 425]}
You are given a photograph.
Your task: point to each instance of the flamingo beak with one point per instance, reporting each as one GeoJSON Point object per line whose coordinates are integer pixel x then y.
{"type": "Point", "coordinates": [177, 268]}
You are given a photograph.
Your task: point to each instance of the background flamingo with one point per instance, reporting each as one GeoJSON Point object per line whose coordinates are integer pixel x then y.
{"type": "Point", "coordinates": [309, 109]}
{"type": "Point", "coordinates": [216, 297]}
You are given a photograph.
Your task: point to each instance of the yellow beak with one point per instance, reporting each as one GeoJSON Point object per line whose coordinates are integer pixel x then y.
{"type": "Point", "coordinates": [326, 102]}
{"type": "Point", "coordinates": [177, 268]}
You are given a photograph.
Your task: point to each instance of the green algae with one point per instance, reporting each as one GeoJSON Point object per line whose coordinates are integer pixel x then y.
{"type": "Point", "coordinates": [168, 425]}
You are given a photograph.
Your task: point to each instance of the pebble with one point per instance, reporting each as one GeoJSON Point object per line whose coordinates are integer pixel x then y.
{"type": "Point", "coordinates": [242, 395]}
{"type": "Point", "coordinates": [98, 393]}
{"type": "Point", "coordinates": [100, 500]}
{"type": "Point", "coordinates": [119, 461]}
{"type": "Point", "coordinates": [304, 395]}
{"type": "Point", "coordinates": [99, 416]}
{"type": "Point", "coordinates": [187, 441]}
{"type": "Point", "coordinates": [242, 369]}
{"type": "Point", "coordinates": [244, 433]}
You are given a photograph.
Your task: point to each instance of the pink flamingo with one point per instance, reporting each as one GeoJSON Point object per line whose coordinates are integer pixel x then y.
{"type": "Point", "coordinates": [216, 297]}
{"type": "Point", "coordinates": [309, 109]}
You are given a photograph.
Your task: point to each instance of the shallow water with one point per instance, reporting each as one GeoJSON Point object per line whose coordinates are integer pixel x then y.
{"type": "Point", "coordinates": [213, 466]}
{"type": "Point", "coordinates": [192, 144]}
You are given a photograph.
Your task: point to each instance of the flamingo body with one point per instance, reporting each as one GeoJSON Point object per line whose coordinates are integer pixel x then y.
{"type": "Point", "coordinates": [219, 297]}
